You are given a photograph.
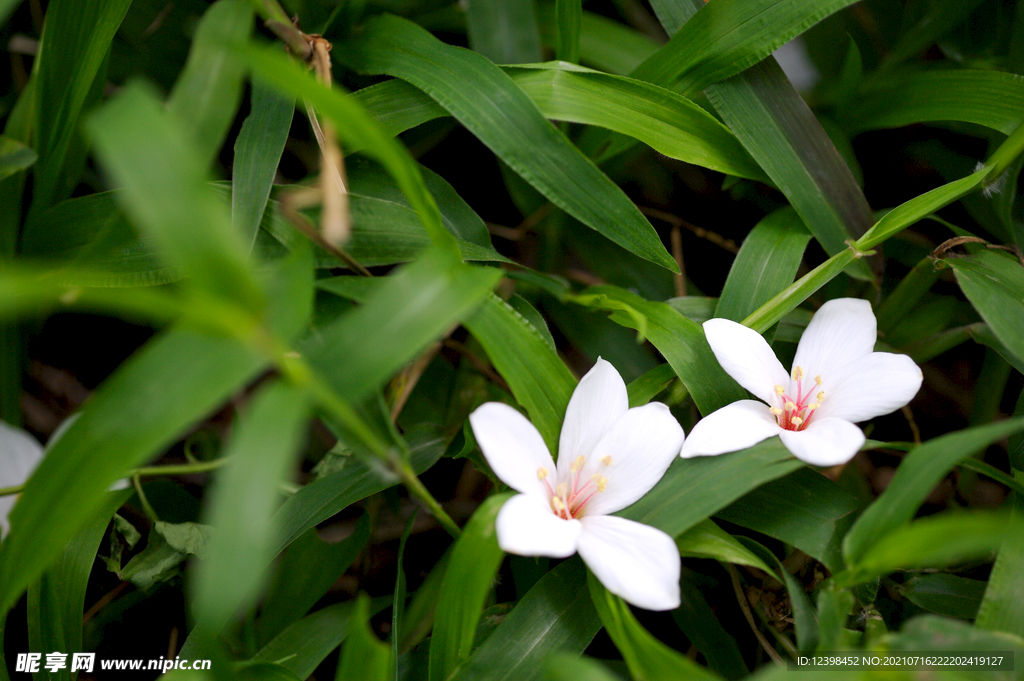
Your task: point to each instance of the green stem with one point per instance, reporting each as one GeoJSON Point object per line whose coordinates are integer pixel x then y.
{"type": "Point", "coordinates": [1008, 151]}
{"type": "Point", "coordinates": [143, 500]}
{"type": "Point", "coordinates": [148, 471]}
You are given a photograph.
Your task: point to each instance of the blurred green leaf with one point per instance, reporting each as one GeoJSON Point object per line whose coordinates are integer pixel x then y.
{"type": "Point", "coordinates": [932, 542]}
{"type": "Point", "coordinates": [261, 452]}
{"type": "Point", "coordinates": [708, 540]}
{"type": "Point", "coordinates": [504, 31]}
{"type": "Point", "coordinates": [264, 671]}
{"type": "Point", "coordinates": [150, 400]}
{"type": "Point", "coordinates": [364, 656]}
{"type": "Point", "coordinates": [565, 667]}
{"type": "Point", "coordinates": [568, 16]}
{"type": "Point", "coordinates": [914, 480]}
{"type": "Point", "coordinates": [538, 378]}
{"type": "Point", "coordinates": [994, 283]}
{"type": "Point", "coordinates": [805, 619]}
{"type": "Point", "coordinates": [705, 630]}
{"type": "Point", "coordinates": [296, 586]}
{"type": "Point", "coordinates": [483, 99]}
{"type": "Point", "coordinates": [930, 633]}
{"type": "Point", "coordinates": [934, 20]}
{"type": "Point", "coordinates": [990, 98]}
{"type": "Point", "coordinates": [647, 657]}
{"type": "Point", "coordinates": [679, 339]}
{"type": "Point", "coordinates": [766, 264]}
{"type": "Point", "coordinates": [555, 615]}
{"type": "Point", "coordinates": [944, 594]}
{"type": "Point", "coordinates": [257, 154]}
{"type": "Point", "coordinates": [205, 97]}
{"type": "Point", "coordinates": [809, 511]}
{"type": "Point", "coordinates": [1002, 608]}
{"type": "Point", "coordinates": [14, 156]}
{"type": "Point", "coordinates": [605, 44]}
{"type": "Point", "coordinates": [694, 489]}
{"type": "Point", "coordinates": [74, 44]}
{"type": "Point", "coordinates": [170, 201]}
{"type": "Point", "coordinates": [471, 571]}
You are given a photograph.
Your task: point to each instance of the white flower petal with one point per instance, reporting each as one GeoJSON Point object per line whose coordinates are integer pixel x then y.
{"type": "Point", "coordinates": [747, 357]}
{"type": "Point", "coordinates": [870, 386]}
{"type": "Point", "coordinates": [641, 445]}
{"type": "Point", "coordinates": [19, 456]}
{"type": "Point", "coordinates": [732, 428]}
{"type": "Point", "coordinates": [841, 331]}
{"type": "Point", "coordinates": [826, 442]}
{"type": "Point", "coordinates": [512, 446]}
{"type": "Point", "coordinates": [634, 561]}
{"type": "Point", "coordinates": [526, 526]}
{"type": "Point", "coordinates": [596, 404]}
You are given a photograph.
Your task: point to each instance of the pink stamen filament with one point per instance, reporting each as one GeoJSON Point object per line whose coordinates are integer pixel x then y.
{"type": "Point", "coordinates": [796, 414]}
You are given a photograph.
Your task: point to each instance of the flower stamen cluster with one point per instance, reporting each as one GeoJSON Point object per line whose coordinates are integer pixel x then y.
{"type": "Point", "coordinates": [796, 413]}
{"type": "Point", "coordinates": [569, 503]}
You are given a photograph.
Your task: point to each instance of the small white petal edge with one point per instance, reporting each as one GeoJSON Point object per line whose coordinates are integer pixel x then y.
{"type": "Point", "coordinates": [512, 446]}
{"type": "Point", "coordinates": [527, 527]}
{"type": "Point", "coordinates": [826, 442]}
{"type": "Point", "coordinates": [734, 427]}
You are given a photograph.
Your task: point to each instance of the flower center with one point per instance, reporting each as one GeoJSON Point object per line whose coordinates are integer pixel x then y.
{"type": "Point", "coordinates": [568, 499]}
{"type": "Point", "coordinates": [797, 410]}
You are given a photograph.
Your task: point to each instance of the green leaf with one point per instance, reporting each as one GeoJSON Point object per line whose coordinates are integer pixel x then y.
{"type": "Point", "coordinates": [355, 128]}
{"type": "Point", "coordinates": [565, 667]}
{"type": "Point", "coordinates": [14, 156]}
{"type": "Point", "coordinates": [206, 95]}
{"type": "Point", "coordinates": [364, 656]}
{"type": "Point", "coordinates": [183, 376]}
{"type": "Point", "coordinates": [648, 658]}
{"type": "Point", "coordinates": [605, 44]}
{"type": "Point", "coordinates": [944, 594]}
{"type": "Point", "coordinates": [643, 389]}
{"type": "Point", "coordinates": [932, 542]}
{"type": "Point", "coordinates": [568, 15]}
{"type": "Point", "coordinates": [168, 546]}
{"type": "Point", "coordinates": [809, 511]}
{"type": "Point", "coordinates": [694, 489]}
{"type": "Point", "coordinates": [257, 154]}
{"type": "Point", "coordinates": [680, 340]}
{"type": "Point", "coordinates": [306, 643]}
{"type": "Point", "coordinates": [504, 31]}
{"type": "Point", "coordinates": [916, 476]}
{"type": "Point", "coordinates": [261, 452]}
{"type": "Point", "coordinates": [170, 201]}
{"type": "Point", "coordinates": [483, 99]}
{"type": "Point", "coordinates": [74, 44]}
{"type": "Point", "coordinates": [730, 36]}
{"type": "Point", "coordinates": [702, 626]}
{"type": "Point", "coordinates": [804, 617]}
{"type": "Point", "coordinates": [399, 594]}
{"type": "Point", "coordinates": [538, 378]}
{"type": "Point", "coordinates": [708, 540]}
{"type": "Point", "coordinates": [295, 587]}
{"type": "Point", "coordinates": [990, 98]}
{"type": "Point", "coordinates": [471, 570]}
{"type": "Point", "coordinates": [766, 264]}
{"type": "Point", "coordinates": [994, 284]}
{"type": "Point", "coordinates": [555, 615]}
{"type": "Point", "coordinates": [930, 633]}
{"type": "Point", "coordinates": [1002, 608]}
{"type": "Point", "coordinates": [411, 309]}
{"type": "Point", "coordinates": [938, 18]}
{"type": "Point", "coordinates": [57, 601]}
{"type": "Point", "coordinates": [778, 129]}
{"type": "Point", "coordinates": [265, 672]}
{"type": "Point", "coordinates": [322, 498]}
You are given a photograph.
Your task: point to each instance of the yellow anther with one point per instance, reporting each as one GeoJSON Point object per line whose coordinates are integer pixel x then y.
{"type": "Point", "coordinates": [542, 473]}
{"type": "Point", "coordinates": [557, 504]}
{"type": "Point", "coordinates": [817, 379]}
{"type": "Point", "coordinates": [578, 463]}
{"type": "Point", "coordinates": [798, 374]}
{"type": "Point", "coordinates": [779, 390]}
{"type": "Point", "coordinates": [602, 483]}
{"type": "Point", "coordinates": [776, 411]}
{"type": "Point", "coordinates": [789, 406]}
{"type": "Point", "coordinates": [561, 490]}
{"type": "Point", "coordinates": [820, 396]}
{"type": "Point", "coordinates": [797, 420]}
{"type": "Point", "coordinates": [607, 460]}
{"type": "Point", "coordinates": [812, 407]}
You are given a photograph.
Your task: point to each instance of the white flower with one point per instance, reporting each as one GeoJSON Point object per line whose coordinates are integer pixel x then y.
{"type": "Point", "coordinates": [19, 456]}
{"type": "Point", "coordinates": [608, 457]}
{"type": "Point", "coordinates": [836, 381]}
